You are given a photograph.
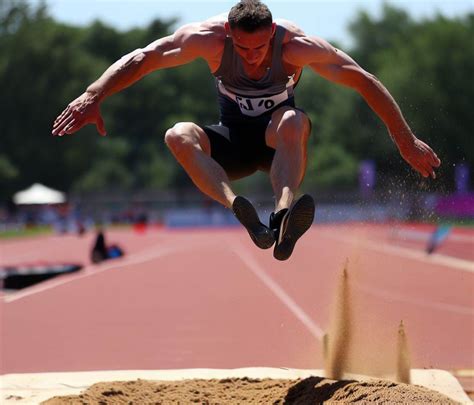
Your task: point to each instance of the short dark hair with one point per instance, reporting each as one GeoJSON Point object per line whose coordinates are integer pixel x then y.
{"type": "Point", "coordinates": [250, 16]}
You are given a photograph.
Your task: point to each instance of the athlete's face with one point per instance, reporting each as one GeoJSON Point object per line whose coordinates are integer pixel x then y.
{"type": "Point", "coordinates": [252, 47]}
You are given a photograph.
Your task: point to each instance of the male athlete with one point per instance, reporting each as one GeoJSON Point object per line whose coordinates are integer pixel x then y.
{"type": "Point", "coordinates": [257, 64]}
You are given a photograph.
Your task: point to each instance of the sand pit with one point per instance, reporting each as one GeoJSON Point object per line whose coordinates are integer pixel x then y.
{"type": "Point", "coordinates": [311, 390]}
{"type": "Point", "coordinates": [255, 385]}
{"type": "Point", "coordinates": [345, 353]}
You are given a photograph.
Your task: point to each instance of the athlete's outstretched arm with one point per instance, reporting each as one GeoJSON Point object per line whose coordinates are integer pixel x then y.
{"type": "Point", "coordinates": [338, 67]}
{"type": "Point", "coordinates": [184, 46]}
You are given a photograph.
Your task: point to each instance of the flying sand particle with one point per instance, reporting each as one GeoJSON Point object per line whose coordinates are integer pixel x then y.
{"type": "Point", "coordinates": [403, 356]}
{"type": "Point", "coordinates": [339, 338]}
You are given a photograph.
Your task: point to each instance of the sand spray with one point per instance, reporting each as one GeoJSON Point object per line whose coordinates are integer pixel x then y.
{"type": "Point", "coordinates": [336, 344]}
{"type": "Point", "coordinates": [403, 356]}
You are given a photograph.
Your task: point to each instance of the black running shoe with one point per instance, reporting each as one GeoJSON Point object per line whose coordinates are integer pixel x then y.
{"type": "Point", "coordinates": [289, 225]}
{"type": "Point", "coordinates": [248, 217]}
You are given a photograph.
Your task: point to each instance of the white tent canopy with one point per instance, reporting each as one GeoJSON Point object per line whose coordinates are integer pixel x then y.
{"type": "Point", "coordinates": [39, 194]}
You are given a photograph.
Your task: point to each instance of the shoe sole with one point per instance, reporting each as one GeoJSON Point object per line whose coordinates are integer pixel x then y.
{"type": "Point", "coordinates": [300, 219]}
{"type": "Point", "coordinates": [245, 212]}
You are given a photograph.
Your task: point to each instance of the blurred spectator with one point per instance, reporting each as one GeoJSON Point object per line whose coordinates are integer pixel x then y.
{"type": "Point", "coordinates": [101, 251]}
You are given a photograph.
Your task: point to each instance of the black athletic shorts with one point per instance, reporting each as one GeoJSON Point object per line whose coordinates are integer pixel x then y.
{"type": "Point", "coordinates": [240, 148]}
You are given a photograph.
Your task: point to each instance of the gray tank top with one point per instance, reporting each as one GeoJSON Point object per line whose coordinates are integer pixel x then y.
{"type": "Point", "coordinates": [254, 97]}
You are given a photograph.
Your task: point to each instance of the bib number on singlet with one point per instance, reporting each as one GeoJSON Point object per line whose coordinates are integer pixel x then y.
{"type": "Point", "coordinates": [255, 106]}
{"type": "Point", "coordinates": [247, 104]}
{"type": "Point", "coordinates": [259, 105]}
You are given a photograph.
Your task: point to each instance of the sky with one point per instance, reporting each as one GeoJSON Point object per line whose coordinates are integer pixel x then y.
{"type": "Point", "coordinates": [325, 18]}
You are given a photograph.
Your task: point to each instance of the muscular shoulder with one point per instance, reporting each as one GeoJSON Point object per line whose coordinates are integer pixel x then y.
{"type": "Point", "coordinates": [291, 29]}
{"type": "Point", "coordinates": [300, 49]}
{"type": "Point", "coordinates": [204, 38]}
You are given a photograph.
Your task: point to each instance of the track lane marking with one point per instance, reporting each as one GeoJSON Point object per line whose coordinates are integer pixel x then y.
{"type": "Point", "coordinates": [32, 246]}
{"type": "Point", "coordinates": [32, 254]}
{"type": "Point", "coordinates": [424, 236]}
{"type": "Point", "coordinates": [281, 294]}
{"type": "Point", "coordinates": [387, 295]}
{"type": "Point", "coordinates": [436, 259]}
{"type": "Point", "coordinates": [91, 270]}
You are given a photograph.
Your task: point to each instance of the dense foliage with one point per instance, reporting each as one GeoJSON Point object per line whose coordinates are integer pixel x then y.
{"type": "Point", "coordinates": [427, 65]}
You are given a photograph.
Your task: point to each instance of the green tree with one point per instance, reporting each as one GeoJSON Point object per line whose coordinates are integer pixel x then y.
{"type": "Point", "coordinates": [40, 68]}
{"type": "Point", "coordinates": [109, 172]}
{"type": "Point", "coordinates": [427, 65]}
{"type": "Point", "coordinates": [432, 80]}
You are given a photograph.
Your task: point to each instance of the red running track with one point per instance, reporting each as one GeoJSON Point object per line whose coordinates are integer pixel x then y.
{"type": "Point", "coordinates": [210, 299]}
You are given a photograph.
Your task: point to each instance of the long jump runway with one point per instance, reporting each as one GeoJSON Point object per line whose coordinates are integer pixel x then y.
{"type": "Point", "coordinates": [204, 298]}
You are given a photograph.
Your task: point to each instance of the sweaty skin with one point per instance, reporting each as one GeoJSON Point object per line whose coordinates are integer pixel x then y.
{"type": "Point", "coordinates": [206, 40]}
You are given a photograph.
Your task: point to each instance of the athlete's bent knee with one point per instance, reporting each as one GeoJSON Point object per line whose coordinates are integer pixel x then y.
{"type": "Point", "coordinates": [296, 119]}
{"type": "Point", "coordinates": [293, 127]}
{"type": "Point", "coordinates": [185, 138]}
{"type": "Point", "coordinates": [178, 138]}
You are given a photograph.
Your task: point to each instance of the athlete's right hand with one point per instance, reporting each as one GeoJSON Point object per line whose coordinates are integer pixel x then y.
{"type": "Point", "coordinates": [82, 111]}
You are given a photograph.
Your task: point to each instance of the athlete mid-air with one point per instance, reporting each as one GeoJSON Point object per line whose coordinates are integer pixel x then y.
{"type": "Point", "coordinates": [256, 63]}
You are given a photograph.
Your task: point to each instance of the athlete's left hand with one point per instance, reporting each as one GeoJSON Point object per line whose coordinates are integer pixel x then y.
{"type": "Point", "coordinates": [420, 157]}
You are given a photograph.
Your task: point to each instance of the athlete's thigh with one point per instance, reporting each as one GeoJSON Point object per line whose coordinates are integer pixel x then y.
{"type": "Point", "coordinates": [277, 117]}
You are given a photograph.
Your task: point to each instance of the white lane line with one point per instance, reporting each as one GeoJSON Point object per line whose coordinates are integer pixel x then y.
{"type": "Point", "coordinates": [259, 271]}
{"type": "Point", "coordinates": [30, 254]}
{"type": "Point", "coordinates": [93, 270]}
{"type": "Point", "coordinates": [390, 296]}
{"type": "Point", "coordinates": [424, 236]}
{"type": "Point", "coordinates": [28, 247]}
{"type": "Point", "coordinates": [437, 259]}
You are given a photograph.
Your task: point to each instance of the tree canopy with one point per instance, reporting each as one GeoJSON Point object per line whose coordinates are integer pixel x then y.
{"type": "Point", "coordinates": [427, 65]}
